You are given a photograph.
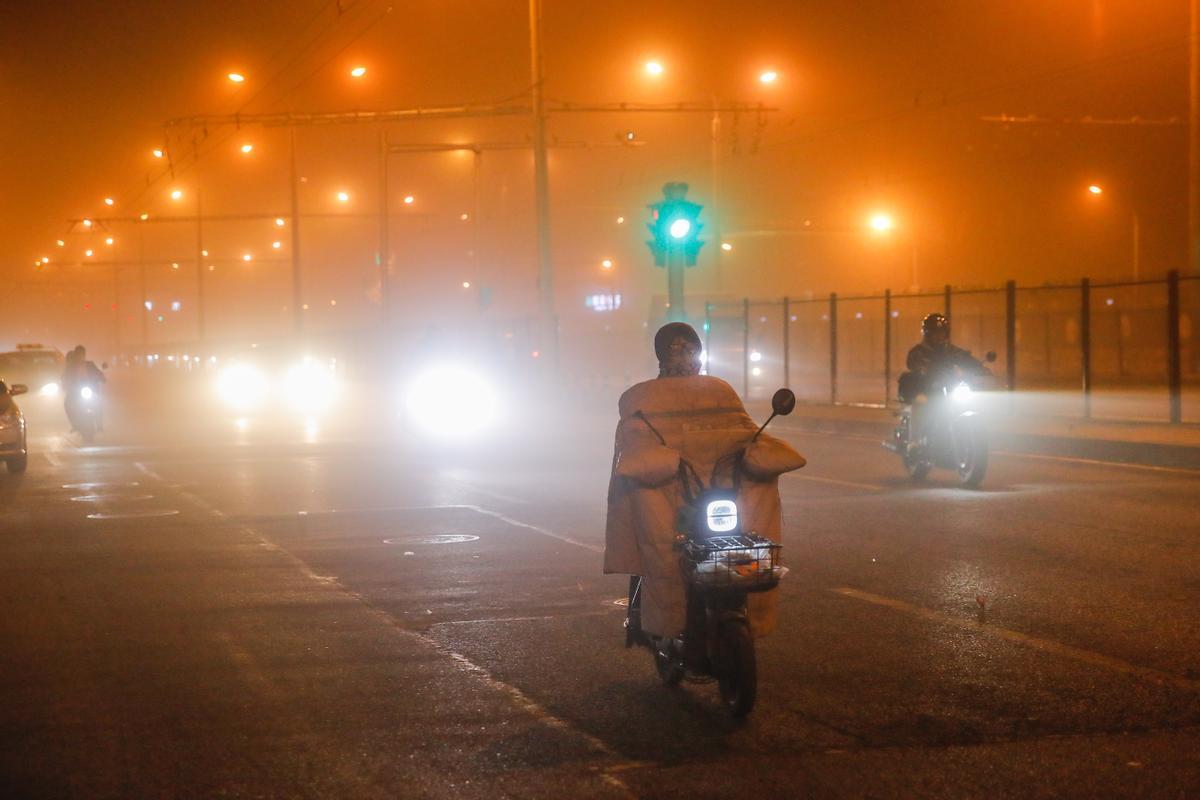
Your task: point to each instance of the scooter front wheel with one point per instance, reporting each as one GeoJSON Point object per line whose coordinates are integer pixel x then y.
{"type": "Point", "coordinates": [738, 671]}
{"type": "Point", "coordinates": [670, 669]}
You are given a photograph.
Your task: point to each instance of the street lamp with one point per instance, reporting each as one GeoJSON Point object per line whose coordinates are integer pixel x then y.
{"type": "Point", "coordinates": [768, 77]}
{"type": "Point", "coordinates": [236, 77]}
{"type": "Point", "coordinates": [358, 72]}
{"type": "Point", "coordinates": [176, 194]}
{"type": "Point", "coordinates": [247, 148]}
{"type": "Point", "coordinates": [881, 222]}
{"type": "Point", "coordinates": [157, 152]}
{"type": "Point", "coordinates": [1095, 190]}
{"type": "Point", "coordinates": [343, 197]}
{"type": "Point", "coordinates": [654, 68]}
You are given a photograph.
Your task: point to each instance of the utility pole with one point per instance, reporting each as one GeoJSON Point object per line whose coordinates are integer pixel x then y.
{"type": "Point", "coordinates": [1194, 138]}
{"type": "Point", "coordinates": [142, 280]}
{"type": "Point", "coordinates": [541, 180]}
{"type": "Point", "coordinates": [199, 270]}
{"type": "Point", "coordinates": [385, 248]}
{"type": "Point", "coordinates": [297, 292]}
{"type": "Point", "coordinates": [715, 200]}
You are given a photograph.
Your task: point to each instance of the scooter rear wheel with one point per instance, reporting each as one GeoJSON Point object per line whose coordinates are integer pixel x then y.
{"type": "Point", "coordinates": [738, 672]}
{"type": "Point", "coordinates": [669, 668]}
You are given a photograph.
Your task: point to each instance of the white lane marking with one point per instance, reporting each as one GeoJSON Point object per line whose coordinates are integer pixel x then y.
{"type": "Point", "coordinates": [1036, 642]}
{"type": "Point", "coordinates": [542, 618]}
{"type": "Point", "coordinates": [105, 498]}
{"type": "Point", "coordinates": [536, 529]}
{"type": "Point", "coordinates": [157, 512]}
{"type": "Point", "coordinates": [519, 698]}
{"type": "Point", "coordinates": [868, 486]}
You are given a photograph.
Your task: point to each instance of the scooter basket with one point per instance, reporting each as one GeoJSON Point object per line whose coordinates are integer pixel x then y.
{"type": "Point", "coordinates": [743, 563]}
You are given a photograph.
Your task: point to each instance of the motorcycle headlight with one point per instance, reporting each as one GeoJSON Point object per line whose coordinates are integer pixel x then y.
{"type": "Point", "coordinates": [241, 387]}
{"type": "Point", "coordinates": [722, 516]}
{"type": "Point", "coordinates": [87, 393]}
{"type": "Point", "coordinates": [961, 393]}
{"type": "Point", "coordinates": [49, 389]}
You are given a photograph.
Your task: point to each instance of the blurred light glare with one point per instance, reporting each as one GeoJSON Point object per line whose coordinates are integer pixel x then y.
{"type": "Point", "coordinates": [343, 197]}
{"type": "Point", "coordinates": [450, 402]}
{"type": "Point", "coordinates": [143, 216]}
{"type": "Point", "coordinates": [310, 386]}
{"type": "Point", "coordinates": [680, 228]}
{"type": "Point", "coordinates": [1096, 189]}
{"type": "Point", "coordinates": [176, 194]}
{"type": "Point", "coordinates": [654, 68]}
{"type": "Point", "coordinates": [768, 76]}
{"type": "Point", "coordinates": [620, 220]}
{"type": "Point", "coordinates": [726, 246]}
{"type": "Point", "coordinates": [241, 387]}
{"type": "Point", "coordinates": [109, 241]}
{"type": "Point", "coordinates": [247, 257]}
{"type": "Point", "coordinates": [279, 222]}
{"type": "Point", "coordinates": [881, 222]}
{"type": "Point", "coordinates": [87, 223]}
{"type": "Point", "coordinates": [157, 152]}
{"type": "Point", "coordinates": [108, 201]}
{"type": "Point", "coordinates": [60, 243]}
{"type": "Point", "coordinates": [409, 200]}
{"type": "Point", "coordinates": [87, 253]}
{"type": "Point", "coordinates": [247, 148]}
{"type": "Point", "coordinates": [607, 263]}
{"type": "Point", "coordinates": [276, 245]}
{"type": "Point", "coordinates": [358, 72]}
{"type": "Point", "coordinates": [236, 77]}
{"type": "Point", "coordinates": [466, 284]}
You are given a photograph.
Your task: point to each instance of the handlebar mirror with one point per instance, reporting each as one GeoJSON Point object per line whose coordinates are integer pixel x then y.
{"type": "Point", "coordinates": [783, 402]}
{"type": "Point", "coordinates": [990, 357]}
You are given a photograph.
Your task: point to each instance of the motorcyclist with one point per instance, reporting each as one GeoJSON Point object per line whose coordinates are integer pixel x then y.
{"type": "Point", "coordinates": [682, 414]}
{"type": "Point", "coordinates": [78, 372]}
{"type": "Point", "coordinates": [928, 362]}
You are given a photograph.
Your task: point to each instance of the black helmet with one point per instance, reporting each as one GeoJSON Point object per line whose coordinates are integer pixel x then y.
{"type": "Point", "coordinates": [935, 322]}
{"type": "Point", "coordinates": [669, 333]}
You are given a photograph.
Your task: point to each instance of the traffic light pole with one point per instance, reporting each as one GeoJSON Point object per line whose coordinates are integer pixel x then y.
{"type": "Point", "coordinates": [677, 311]}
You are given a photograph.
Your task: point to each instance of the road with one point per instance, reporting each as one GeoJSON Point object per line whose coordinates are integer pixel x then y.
{"type": "Point", "coordinates": [274, 610]}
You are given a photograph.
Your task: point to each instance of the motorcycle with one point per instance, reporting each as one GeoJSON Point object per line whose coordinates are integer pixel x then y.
{"type": "Point", "coordinates": [84, 407]}
{"type": "Point", "coordinates": [722, 564]}
{"type": "Point", "coordinates": [954, 435]}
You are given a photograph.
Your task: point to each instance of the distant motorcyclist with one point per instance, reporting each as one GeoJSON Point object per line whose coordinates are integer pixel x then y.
{"type": "Point", "coordinates": [78, 372]}
{"type": "Point", "coordinates": [928, 362]}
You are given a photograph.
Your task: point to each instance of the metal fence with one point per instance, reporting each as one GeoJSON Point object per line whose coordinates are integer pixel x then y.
{"type": "Point", "coordinates": [1094, 350]}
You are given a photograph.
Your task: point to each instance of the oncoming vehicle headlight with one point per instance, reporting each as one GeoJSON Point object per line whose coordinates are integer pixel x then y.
{"type": "Point", "coordinates": [722, 516]}
{"type": "Point", "coordinates": [241, 387]}
{"type": "Point", "coordinates": [451, 403]}
{"type": "Point", "coordinates": [49, 390]}
{"type": "Point", "coordinates": [961, 393]}
{"type": "Point", "coordinates": [86, 393]}
{"type": "Point", "coordinates": [310, 386]}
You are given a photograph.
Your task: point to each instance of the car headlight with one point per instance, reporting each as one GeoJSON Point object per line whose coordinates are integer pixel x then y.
{"type": "Point", "coordinates": [310, 386]}
{"type": "Point", "coordinates": [242, 387]}
{"type": "Point", "coordinates": [451, 403]}
{"type": "Point", "coordinates": [87, 393]}
{"type": "Point", "coordinates": [49, 389]}
{"type": "Point", "coordinates": [722, 516]}
{"type": "Point", "coordinates": [961, 393]}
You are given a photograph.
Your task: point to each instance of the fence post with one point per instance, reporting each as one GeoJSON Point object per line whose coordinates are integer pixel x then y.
{"type": "Point", "coordinates": [746, 348]}
{"type": "Point", "coordinates": [887, 345]}
{"type": "Point", "coordinates": [707, 335]}
{"type": "Point", "coordinates": [1085, 344]}
{"type": "Point", "coordinates": [833, 349]}
{"type": "Point", "coordinates": [787, 347]}
{"type": "Point", "coordinates": [1010, 333]}
{"type": "Point", "coordinates": [946, 303]}
{"type": "Point", "coordinates": [1174, 361]}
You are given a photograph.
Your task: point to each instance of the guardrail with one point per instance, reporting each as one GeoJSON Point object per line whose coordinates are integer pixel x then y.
{"type": "Point", "coordinates": [1128, 350]}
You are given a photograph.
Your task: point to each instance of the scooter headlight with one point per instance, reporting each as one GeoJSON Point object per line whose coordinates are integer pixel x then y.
{"type": "Point", "coordinates": [86, 393]}
{"type": "Point", "coordinates": [49, 389]}
{"type": "Point", "coordinates": [242, 387]}
{"type": "Point", "coordinates": [722, 516]}
{"type": "Point", "coordinates": [961, 393]}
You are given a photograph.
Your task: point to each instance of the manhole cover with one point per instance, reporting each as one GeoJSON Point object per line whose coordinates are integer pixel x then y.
{"type": "Point", "coordinates": [160, 512]}
{"type": "Point", "coordinates": [620, 601]}
{"type": "Point", "coordinates": [104, 498]}
{"type": "Point", "coordinates": [442, 538]}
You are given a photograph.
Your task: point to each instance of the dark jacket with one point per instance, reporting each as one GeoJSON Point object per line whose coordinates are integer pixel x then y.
{"type": "Point", "coordinates": [926, 360]}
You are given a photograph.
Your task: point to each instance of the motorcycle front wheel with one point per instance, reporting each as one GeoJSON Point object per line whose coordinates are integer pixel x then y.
{"type": "Point", "coordinates": [737, 677]}
{"type": "Point", "coordinates": [970, 451]}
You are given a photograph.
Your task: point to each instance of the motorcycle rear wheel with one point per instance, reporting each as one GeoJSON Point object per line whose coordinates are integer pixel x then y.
{"type": "Point", "coordinates": [737, 675]}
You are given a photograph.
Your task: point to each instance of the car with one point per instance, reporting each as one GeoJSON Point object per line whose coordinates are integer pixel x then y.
{"type": "Point", "coordinates": [33, 365]}
{"type": "Point", "coordinates": [13, 449]}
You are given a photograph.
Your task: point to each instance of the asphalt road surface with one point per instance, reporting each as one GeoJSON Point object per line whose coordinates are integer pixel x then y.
{"type": "Point", "coordinates": [274, 609]}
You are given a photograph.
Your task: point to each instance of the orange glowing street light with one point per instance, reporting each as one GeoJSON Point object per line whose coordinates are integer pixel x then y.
{"type": "Point", "coordinates": [157, 152]}
{"type": "Point", "coordinates": [607, 263]}
{"type": "Point", "coordinates": [881, 222]}
{"type": "Point", "coordinates": [358, 72]}
{"type": "Point", "coordinates": [236, 77]}
{"type": "Point", "coordinates": [108, 201]}
{"type": "Point", "coordinates": [279, 223]}
{"type": "Point", "coordinates": [1096, 189]}
{"type": "Point", "coordinates": [409, 200]}
{"type": "Point", "coordinates": [768, 76]}
{"type": "Point", "coordinates": [176, 194]}
{"type": "Point", "coordinates": [654, 68]}
{"type": "Point", "coordinates": [343, 197]}
{"type": "Point", "coordinates": [247, 148]}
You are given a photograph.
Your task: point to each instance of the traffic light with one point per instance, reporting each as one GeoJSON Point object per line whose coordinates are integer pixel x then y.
{"type": "Point", "coordinates": [675, 226]}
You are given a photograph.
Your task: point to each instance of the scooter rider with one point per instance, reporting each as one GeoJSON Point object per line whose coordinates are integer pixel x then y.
{"type": "Point", "coordinates": [928, 361]}
{"type": "Point", "coordinates": [77, 373]}
{"type": "Point", "coordinates": [701, 420]}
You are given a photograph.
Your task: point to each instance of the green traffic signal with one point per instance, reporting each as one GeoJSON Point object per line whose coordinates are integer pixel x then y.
{"type": "Point", "coordinates": [675, 226]}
